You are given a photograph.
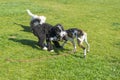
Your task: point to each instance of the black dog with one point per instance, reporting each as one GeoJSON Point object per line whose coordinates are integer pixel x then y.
{"type": "Point", "coordinates": [54, 36]}
{"type": "Point", "coordinates": [46, 32]}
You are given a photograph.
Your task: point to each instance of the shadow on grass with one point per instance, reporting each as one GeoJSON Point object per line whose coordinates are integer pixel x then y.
{"type": "Point", "coordinates": [25, 28]}
{"type": "Point", "coordinates": [116, 26]}
{"type": "Point", "coordinates": [60, 50]}
{"type": "Point", "coordinates": [117, 44]}
{"type": "Point", "coordinates": [34, 44]}
{"type": "Point", "coordinates": [31, 43]}
{"type": "Point", "coordinates": [77, 55]}
{"type": "Point", "coordinates": [63, 51]}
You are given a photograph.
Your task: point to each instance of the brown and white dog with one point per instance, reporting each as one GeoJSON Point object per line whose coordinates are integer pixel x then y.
{"type": "Point", "coordinates": [34, 16]}
{"type": "Point", "coordinates": [74, 33]}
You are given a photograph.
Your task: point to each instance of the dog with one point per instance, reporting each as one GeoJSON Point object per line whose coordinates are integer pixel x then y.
{"type": "Point", "coordinates": [46, 32]}
{"type": "Point", "coordinates": [80, 35]}
{"type": "Point", "coordinates": [33, 16]}
{"type": "Point", "coordinates": [53, 36]}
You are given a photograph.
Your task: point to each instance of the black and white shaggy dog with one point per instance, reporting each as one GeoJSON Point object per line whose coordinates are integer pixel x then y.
{"type": "Point", "coordinates": [80, 35]}
{"type": "Point", "coordinates": [46, 32]}
{"type": "Point", "coordinates": [34, 16]}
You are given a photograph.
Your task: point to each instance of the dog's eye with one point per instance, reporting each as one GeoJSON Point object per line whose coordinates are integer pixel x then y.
{"type": "Point", "coordinates": [57, 32]}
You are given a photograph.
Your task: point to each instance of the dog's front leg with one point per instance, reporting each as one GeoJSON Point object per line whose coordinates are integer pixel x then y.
{"type": "Point", "coordinates": [64, 43]}
{"type": "Point", "coordinates": [56, 43]}
{"type": "Point", "coordinates": [74, 45]}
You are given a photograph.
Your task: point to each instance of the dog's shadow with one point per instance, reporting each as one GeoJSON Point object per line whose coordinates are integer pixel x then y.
{"type": "Point", "coordinates": [25, 28]}
{"type": "Point", "coordinates": [77, 56]}
{"type": "Point", "coordinates": [34, 44]}
{"type": "Point", "coordinates": [31, 43]}
{"type": "Point", "coordinates": [60, 51]}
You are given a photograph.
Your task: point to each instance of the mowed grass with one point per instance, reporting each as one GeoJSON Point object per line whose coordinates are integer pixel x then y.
{"type": "Point", "coordinates": [22, 59]}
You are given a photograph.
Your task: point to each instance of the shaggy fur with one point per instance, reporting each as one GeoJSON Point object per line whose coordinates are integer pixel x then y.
{"type": "Point", "coordinates": [46, 32]}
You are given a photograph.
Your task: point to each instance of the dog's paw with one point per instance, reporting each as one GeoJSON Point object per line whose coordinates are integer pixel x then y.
{"type": "Point", "coordinates": [84, 56]}
{"type": "Point", "coordinates": [73, 51]}
{"type": "Point", "coordinates": [45, 48]}
{"type": "Point", "coordinates": [51, 50]}
{"type": "Point", "coordinates": [88, 50]}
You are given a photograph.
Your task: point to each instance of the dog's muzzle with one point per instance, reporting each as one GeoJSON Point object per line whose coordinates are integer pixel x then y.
{"type": "Point", "coordinates": [62, 35]}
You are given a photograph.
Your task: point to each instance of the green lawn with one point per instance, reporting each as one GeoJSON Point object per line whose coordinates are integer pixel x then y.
{"type": "Point", "coordinates": [22, 59]}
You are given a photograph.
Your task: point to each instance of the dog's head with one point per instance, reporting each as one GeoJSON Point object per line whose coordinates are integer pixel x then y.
{"type": "Point", "coordinates": [59, 31]}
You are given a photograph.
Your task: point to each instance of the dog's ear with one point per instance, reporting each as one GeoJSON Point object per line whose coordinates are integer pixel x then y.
{"type": "Point", "coordinates": [80, 33]}
{"type": "Point", "coordinates": [60, 27]}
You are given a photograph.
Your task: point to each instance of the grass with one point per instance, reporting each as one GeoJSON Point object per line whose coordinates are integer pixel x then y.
{"type": "Point", "coordinates": [22, 59]}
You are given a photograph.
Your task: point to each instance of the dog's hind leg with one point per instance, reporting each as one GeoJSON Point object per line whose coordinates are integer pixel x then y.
{"type": "Point", "coordinates": [49, 44]}
{"type": "Point", "coordinates": [42, 45]}
{"type": "Point", "coordinates": [79, 41]}
{"type": "Point", "coordinates": [85, 40]}
{"type": "Point", "coordinates": [41, 42]}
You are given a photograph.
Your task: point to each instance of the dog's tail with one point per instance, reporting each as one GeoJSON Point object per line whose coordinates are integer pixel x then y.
{"type": "Point", "coordinates": [31, 14]}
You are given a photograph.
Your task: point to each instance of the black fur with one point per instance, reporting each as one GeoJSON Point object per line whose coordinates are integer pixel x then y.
{"type": "Point", "coordinates": [44, 32]}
